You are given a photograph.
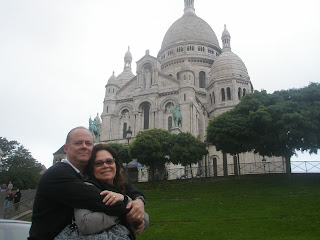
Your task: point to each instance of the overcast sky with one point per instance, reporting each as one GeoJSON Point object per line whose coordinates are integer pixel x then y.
{"type": "Point", "coordinates": [56, 56]}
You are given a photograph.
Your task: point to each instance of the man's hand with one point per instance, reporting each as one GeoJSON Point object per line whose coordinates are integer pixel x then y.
{"type": "Point", "coordinates": [136, 215]}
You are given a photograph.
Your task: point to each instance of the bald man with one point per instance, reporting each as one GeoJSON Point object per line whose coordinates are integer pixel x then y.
{"type": "Point", "coordinates": [62, 188]}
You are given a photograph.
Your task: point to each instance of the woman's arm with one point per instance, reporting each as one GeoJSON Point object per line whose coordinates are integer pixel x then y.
{"type": "Point", "coordinates": [89, 222]}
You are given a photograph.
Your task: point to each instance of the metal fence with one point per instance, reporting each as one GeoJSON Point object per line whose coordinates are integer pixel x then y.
{"type": "Point", "coordinates": [305, 167]}
{"type": "Point", "coordinates": [243, 169]}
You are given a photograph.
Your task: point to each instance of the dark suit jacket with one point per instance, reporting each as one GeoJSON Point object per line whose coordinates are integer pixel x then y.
{"type": "Point", "coordinates": [60, 190]}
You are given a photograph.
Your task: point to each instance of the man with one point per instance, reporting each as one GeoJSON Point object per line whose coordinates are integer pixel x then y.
{"type": "Point", "coordinates": [8, 200]}
{"type": "Point", "coordinates": [10, 186]}
{"type": "Point", "coordinates": [61, 189]}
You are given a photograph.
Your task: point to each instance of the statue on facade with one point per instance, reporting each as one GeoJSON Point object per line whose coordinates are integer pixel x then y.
{"type": "Point", "coordinates": [147, 77]}
{"type": "Point", "coordinates": [177, 117]}
{"type": "Point", "coordinates": [94, 128]}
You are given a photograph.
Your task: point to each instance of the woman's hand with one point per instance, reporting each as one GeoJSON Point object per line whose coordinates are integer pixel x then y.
{"type": "Point", "coordinates": [111, 197]}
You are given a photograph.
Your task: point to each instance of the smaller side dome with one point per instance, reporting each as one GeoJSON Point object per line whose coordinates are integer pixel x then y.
{"type": "Point", "coordinates": [112, 79]}
{"type": "Point", "coordinates": [228, 64]}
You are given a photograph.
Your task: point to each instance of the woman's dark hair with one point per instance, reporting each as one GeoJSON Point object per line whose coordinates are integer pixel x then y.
{"type": "Point", "coordinates": [119, 179]}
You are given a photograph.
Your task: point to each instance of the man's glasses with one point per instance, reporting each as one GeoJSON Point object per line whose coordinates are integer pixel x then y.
{"type": "Point", "coordinates": [108, 161]}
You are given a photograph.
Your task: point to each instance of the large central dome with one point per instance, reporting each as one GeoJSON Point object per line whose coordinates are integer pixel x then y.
{"type": "Point", "coordinates": [189, 28]}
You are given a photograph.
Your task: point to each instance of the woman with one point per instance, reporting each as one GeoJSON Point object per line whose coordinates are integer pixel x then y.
{"type": "Point", "coordinates": [104, 171]}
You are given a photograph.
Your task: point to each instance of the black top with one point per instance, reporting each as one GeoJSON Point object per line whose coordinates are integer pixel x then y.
{"type": "Point", "coordinates": [60, 190]}
{"type": "Point", "coordinates": [130, 190]}
{"type": "Point", "coordinates": [9, 197]}
{"type": "Point", "coordinates": [17, 197]}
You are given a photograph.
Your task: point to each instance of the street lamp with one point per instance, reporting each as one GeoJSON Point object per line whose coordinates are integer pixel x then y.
{"type": "Point", "coordinates": [128, 134]}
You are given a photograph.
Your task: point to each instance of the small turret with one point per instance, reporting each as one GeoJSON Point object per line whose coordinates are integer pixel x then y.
{"type": "Point", "coordinates": [127, 60]}
{"type": "Point", "coordinates": [189, 6]}
{"type": "Point", "coordinates": [226, 39]}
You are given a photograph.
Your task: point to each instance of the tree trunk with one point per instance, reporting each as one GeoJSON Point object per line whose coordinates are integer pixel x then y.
{"type": "Point", "coordinates": [153, 171]}
{"type": "Point", "coordinates": [238, 157]}
{"type": "Point", "coordinates": [215, 167]}
{"type": "Point", "coordinates": [288, 164]}
{"type": "Point", "coordinates": [235, 165]}
{"type": "Point", "coordinates": [191, 171]}
{"type": "Point", "coordinates": [225, 164]}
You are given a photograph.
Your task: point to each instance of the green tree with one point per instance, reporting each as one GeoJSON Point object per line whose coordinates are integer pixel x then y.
{"type": "Point", "coordinates": [277, 124]}
{"type": "Point", "coordinates": [122, 150]}
{"type": "Point", "coordinates": [186, 149]}
{"type": "Point", "coordinates": [152, 148]}
{"type": "Point", "coordinates": [123, 153]}
{"type": "Point", "coordinates": [18, 165]}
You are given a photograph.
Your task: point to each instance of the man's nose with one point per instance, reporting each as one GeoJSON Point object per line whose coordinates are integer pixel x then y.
{"type": "Point", "coordinates": [83, 145]}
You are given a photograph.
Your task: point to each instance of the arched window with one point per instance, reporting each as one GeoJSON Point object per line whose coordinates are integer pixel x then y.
{"type": "Point", "coordinates": [169, 123]}
{"type": "Point", "coordinates": [223, 95]}
{"type": "Point", "coordinates": [202, 79]}
{"type": "Point", "coordinates": [107, 108]}
{"type": "Point", "coordinates": [146, 111]}
{"type": "Point", "coordinates": [244, 92]}
{"type": "Point", "coordinates": [214, 98]}
{"type": "Point", "coordinates": [124, 134]}
{"type": "Point", "coordinates": [124, 112]}
{"type": "Point", "coordinates": [239, 93]}
{"type": "Point", "coordinates": [228, 93]}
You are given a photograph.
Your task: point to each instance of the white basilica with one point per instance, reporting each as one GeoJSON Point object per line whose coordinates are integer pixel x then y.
{"type": "Point", "coordinates": [191, 70]}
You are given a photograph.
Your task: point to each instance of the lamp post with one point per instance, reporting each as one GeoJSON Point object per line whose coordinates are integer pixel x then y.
{"type": "Point", "coordinates": [128, 134]}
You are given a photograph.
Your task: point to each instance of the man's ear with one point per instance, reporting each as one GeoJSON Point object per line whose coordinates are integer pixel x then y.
{"type": "Point", "coordinates": [65, 148]}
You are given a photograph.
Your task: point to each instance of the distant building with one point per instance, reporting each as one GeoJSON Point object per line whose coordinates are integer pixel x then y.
{"type": "Point", "coordinates": [59, 155]}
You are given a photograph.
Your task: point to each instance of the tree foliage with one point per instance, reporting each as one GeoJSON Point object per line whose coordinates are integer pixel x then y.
{"type": "Point", "coordinates": [277, 124]}
{"type": "Point", "coordinates": [18, 165]}
{"type": "Point", "coordinates": [151, 147]}
{"type": "Point", "coordinates": [186, 149]}
{"type": "Point", "coordinates": [122, 150]}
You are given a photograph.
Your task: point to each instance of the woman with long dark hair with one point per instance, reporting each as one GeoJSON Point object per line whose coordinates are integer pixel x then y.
{"type": "Point", "coordinates": [105, 172]}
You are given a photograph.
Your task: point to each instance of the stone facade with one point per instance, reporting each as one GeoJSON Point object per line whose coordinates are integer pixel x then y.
{"type": "Point", "coordinates": [190, 70]}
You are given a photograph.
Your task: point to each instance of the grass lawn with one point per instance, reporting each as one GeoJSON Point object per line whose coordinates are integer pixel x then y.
{"type": "Point", "coordinates": [271, 207]}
